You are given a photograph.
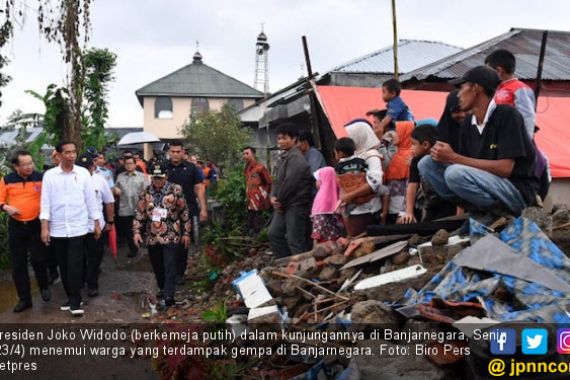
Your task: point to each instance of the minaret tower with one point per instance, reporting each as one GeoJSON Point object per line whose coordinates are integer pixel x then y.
{"type": "Point", "coordinates": [261, 78]}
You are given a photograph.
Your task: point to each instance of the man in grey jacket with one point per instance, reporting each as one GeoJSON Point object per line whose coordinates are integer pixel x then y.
{"type": "Point", "coordinates": [289, 232]}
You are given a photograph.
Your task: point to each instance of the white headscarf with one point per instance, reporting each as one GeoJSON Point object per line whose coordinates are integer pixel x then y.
{"type": "Point", "coordinates": [365, 140]}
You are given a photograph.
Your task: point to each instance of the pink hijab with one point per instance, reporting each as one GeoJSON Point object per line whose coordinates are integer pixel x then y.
{"type": "Point", "coordinates": [327, 197]}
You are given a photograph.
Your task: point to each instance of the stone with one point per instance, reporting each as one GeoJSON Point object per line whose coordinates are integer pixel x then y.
{"type": "Point", "coordinates": [329, 273]}
{"type": "Point", "coordinates": [414, 260]}
{"type": "Point", "coordinates": [401, 257]}
{"type": "Point", "coordinates": [373, 311]}
{"type": "Point", "coordinates": [365, 248]}
{"type": "Point", "coordinates": [561, 217]}
{"type": "Point", "coordinates": [441, 237]}
{"type": "Point", "coordinates": [537, 215]}
{"type": "Point", "coordinates": [336, 260]}
{"type": "Point", "coordinates": [289, 288]}
{"type": "Point", "coordinates": [346, 274]}
{"type": "Point", "coordinates": [415, 240]}
{"type": "Point", "coordinates": [320, 253]}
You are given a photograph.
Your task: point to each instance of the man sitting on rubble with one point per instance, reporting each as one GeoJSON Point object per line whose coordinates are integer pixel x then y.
{"type": "Point", "coordinates": [493, 169]}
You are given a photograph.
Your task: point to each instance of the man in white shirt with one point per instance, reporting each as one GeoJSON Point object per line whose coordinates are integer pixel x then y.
{"type": "Point", "coordinates": [67, 203]}
{"type": "Point", "coordinates": [102, 170]}
{"type": "Point", "coordinates": [94, 248]}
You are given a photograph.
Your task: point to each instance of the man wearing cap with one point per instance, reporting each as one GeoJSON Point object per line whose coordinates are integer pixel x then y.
{"type": "Point", "coordinates": [162, 208]}
{"type": "Point", "coordinates": [102, 170]}
{"type": "Point", "coordinates": [20, 199]}
{"type": "Point", "coordinates": [494, 165]}
{"type": "Point", "coordinates": [68, 207]}
{"type": "Point", "coordinates": [94, 247]}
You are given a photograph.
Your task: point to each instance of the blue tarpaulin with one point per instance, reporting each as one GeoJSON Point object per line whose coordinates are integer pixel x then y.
{"type": "Point", "coordinates": [528, 300]}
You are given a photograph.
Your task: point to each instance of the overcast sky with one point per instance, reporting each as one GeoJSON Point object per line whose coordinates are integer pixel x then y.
{"type": "Point", "coordinates": [152, 38]}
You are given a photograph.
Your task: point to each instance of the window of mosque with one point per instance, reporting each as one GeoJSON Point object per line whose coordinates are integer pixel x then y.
{"type": "Point", "coordinates": [163, 108]}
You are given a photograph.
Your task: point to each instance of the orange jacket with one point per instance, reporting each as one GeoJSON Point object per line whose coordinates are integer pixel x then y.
{"type": "Point", "coordinates": [24, 194]}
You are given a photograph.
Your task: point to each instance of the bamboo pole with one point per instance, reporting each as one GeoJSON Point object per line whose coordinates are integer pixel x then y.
{"type": "Point", "coordinates": [395, 29]}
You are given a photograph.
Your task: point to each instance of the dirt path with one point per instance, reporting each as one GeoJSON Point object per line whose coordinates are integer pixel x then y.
{"type": "Point", "coordinates": [123, 287]}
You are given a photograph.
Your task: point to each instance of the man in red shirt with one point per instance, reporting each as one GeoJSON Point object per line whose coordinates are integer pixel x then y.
{"type": "Point", "coordinates": [258, 188]}
{"type": "Point", "coordinates": [515, 93]}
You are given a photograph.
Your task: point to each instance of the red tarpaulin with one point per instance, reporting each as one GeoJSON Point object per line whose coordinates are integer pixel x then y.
{"type": "Point", "coordinates": [343, 104]}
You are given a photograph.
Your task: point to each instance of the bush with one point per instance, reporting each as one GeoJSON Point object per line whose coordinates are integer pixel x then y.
{"type": "Point", "coordinates": [230, 192]}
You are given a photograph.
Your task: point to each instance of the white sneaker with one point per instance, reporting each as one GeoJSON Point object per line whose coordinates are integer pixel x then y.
{"type": "Point", "coordinates": [76, 311]}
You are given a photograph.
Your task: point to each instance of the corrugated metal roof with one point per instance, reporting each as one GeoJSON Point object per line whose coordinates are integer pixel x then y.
{"type": "Point", "coordinates": [9, 137]}
{"type": "Point", "coordinates": [523, 43]}
{"type": "Point", "coordinates": [198, 79]}
{"type": "Point", "coordinates": [412, 54]}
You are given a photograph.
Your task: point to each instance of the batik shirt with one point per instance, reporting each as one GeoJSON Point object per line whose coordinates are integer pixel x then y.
{"type": "Point", "coordinates": [165, 213]}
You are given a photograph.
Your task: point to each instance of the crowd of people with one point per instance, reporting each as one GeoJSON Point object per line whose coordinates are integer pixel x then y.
{"type": "Point", "coordinates": [59, 219]}
{"type": "Point", "coordinates": [479, 158]}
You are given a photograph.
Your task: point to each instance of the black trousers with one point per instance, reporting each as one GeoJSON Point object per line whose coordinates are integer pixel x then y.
{"type": "Point", "coordinates": [94, 254]}
{"type": "Point", "coordinates": [70, 258]}
{"type": "Point", "coordinates": [24, 237]}
{"type": "Point", "coordinates": [255, 222]}
{"type": "Point", "coordinates": [125, 227]}
{"type": "Point", "coordinates": [51, 260]}
{"type": "Point", "coordinates": [182, 256]}
{"type": "Point", "coordinates": [164, 264]}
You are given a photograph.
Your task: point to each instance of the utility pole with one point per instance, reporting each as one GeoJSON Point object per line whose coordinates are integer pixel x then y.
{"type": "Point", "coordinates": [395, 49]}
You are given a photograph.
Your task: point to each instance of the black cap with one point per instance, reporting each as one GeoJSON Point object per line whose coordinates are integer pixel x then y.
{"type": "Point", "coordinates": [481, 75]}
{"type": "Point", "coordinates": [158, 170]}
{"type": "Point", "coordinates": [85, 160]}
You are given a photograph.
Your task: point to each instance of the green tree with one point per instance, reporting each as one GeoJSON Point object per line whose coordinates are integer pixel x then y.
{"type": "Point", "coordinates": [56, 116]}
{"type": "Point", "coordinates": [66, 22]}
{"type": "Point", "coordinates": [99, 65]}
{"type": "Point", "coordinates": [217, 135]}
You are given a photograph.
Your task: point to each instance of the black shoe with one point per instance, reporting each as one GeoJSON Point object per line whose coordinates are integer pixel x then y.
{"type": "Point", "coordinates": [169, 302]}
{"type": "Point", "coordinates": [132, 254]}
{"type": "Point", "coordinates": [46, 294]}
{"type": "Point", "coordinates": [21, 306]}
{"type": "Point", "coordinates": [180, 280]}
{"type": "Point", "coordinates": [92, 293]}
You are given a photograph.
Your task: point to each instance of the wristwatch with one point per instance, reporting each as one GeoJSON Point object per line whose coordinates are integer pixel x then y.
{"type": "Point", "coordinates": [111, 222]}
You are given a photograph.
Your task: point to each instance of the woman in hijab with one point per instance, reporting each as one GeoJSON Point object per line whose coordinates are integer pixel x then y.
{"type": "Point", "coordinates": [449, 124]}
{"type": "Point", "coordinates": [366, 147]}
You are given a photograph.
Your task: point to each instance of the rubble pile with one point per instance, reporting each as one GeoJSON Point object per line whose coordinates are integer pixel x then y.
{"type": "Point", "coordinates": [403, 283]}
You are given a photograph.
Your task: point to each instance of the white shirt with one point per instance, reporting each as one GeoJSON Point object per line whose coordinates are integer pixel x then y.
{"type": "Point", "coordinates": [68, 201]}
{"type": "Point", "coordinates": [103, 195]}
{"type": "Point", "coordinates": [490, 109]}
